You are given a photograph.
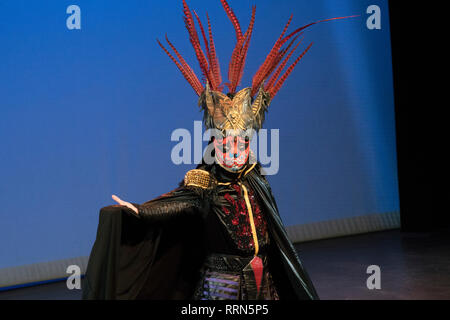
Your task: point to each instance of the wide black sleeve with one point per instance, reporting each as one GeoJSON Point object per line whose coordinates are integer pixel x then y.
{"type": "Point", "coordinates": [133, 259]}
{"type": "Point", "coordinates": [181, 202]}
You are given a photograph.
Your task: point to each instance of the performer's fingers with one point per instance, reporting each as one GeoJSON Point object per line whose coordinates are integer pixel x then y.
{"type": "Point", "coordinates": [133, 208]}
{"type": "Point", "coordinates": [117, 199]}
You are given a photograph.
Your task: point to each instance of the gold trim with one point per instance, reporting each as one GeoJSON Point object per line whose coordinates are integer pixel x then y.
{"type": "Point", "coordinates": [198, 178]}
{"type": "Point", "coordinates": [257, 103]}
{"type": "Point", "coordinates": [248, 205]}
{"type": "Point", "coordinates": [250, 215]}
{"type": "Point", "coordinates": [250, 169]}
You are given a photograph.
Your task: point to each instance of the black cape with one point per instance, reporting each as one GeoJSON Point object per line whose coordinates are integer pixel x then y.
{"type": "Point", "coordinates": [133, 259]}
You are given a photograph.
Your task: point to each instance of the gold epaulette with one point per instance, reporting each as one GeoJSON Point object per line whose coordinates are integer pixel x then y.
{"type": "Point", "coordinates": [198, 178]}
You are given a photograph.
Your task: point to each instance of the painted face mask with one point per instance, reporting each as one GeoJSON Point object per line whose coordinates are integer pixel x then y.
{"type": "Point", "coordinates": [232, 152]}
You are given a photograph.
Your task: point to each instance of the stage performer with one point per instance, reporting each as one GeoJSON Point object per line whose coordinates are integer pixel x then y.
{"type": "Point", "coordinates": [219, 235]}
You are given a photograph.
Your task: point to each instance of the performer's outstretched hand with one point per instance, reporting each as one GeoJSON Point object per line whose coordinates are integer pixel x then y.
{"type": "Point", "coordinates": [124, 203]}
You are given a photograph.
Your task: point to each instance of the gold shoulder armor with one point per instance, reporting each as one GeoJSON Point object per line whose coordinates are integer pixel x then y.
{"type": "Point", "coordinates": [198, 178]}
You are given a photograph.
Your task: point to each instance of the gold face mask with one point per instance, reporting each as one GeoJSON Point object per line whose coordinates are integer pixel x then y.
{"type": "Point", "coordinates": [236, 113]}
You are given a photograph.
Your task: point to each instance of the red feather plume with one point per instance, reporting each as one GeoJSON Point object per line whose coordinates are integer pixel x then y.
{"type": "Point", "coordinates": [280, 68]}
{"type": "Point", "coordinates": [193, 80]}
{"type": "Point", "coordinates": [233, 19]}
{"type": "Point", "coordinates": [193, 37]}
{"type": "Point", "coordinates": [273, 91]}
{"type": "Point", "coordinates": [272, 66]}
{"type": "Point", "coordinates": [213, 60]}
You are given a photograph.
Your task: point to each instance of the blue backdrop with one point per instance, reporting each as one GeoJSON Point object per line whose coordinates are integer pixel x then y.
{"type": "Point", "coordinates": [88, 113]}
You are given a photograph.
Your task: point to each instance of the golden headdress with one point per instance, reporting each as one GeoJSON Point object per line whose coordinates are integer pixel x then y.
{"type": "Point", "coordinates": [243, 109]}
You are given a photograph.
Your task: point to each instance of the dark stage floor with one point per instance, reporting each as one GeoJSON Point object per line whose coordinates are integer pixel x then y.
{"type": "Point", "coordinates": [413, 266]}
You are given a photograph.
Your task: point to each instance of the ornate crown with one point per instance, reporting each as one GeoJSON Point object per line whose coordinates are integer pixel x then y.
{"type": "Point", "coordinates": [245, 109]}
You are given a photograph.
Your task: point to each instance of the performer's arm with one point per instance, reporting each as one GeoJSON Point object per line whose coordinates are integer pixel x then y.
{"type": "Point", "coordinates": [180, 202]}
{"type": "Point", "coordinates": [189, 199]}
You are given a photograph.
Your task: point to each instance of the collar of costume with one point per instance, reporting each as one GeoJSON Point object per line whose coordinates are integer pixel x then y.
{"type": "Point", "coordinates": [225, 177]}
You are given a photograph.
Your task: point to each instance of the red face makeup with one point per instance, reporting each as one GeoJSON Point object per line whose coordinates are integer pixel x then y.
{"type": "Point", "coordinates": [232, 151]}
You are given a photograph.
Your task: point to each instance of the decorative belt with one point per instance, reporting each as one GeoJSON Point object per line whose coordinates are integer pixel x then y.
{"type": "Point", "coordinates": [231, 263]}
{"type": "Point", "coordinates": [227, 275]}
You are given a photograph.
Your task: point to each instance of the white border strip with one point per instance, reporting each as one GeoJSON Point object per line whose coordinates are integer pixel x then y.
{"type": "Point", "coordinates": [344, 227]}
{"type": "Point", "coordinates": [37, 272]}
